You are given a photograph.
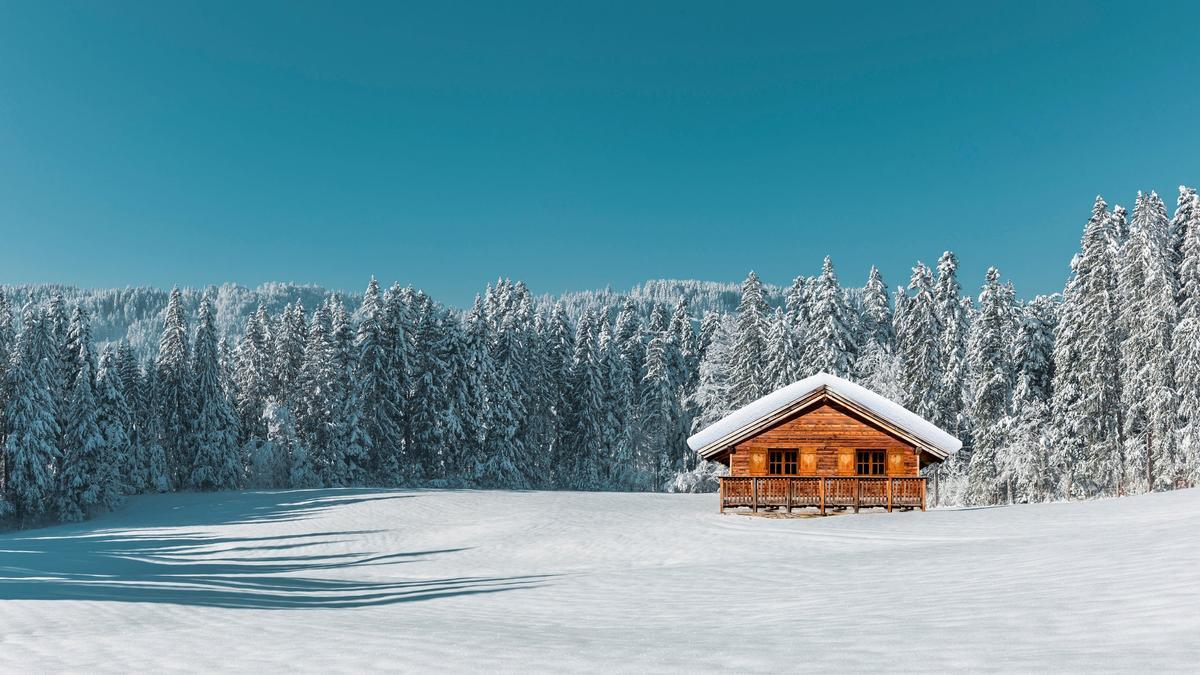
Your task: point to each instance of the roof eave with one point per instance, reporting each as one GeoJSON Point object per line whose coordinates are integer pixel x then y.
{"type": "Point", "coordinates": [821, 393]}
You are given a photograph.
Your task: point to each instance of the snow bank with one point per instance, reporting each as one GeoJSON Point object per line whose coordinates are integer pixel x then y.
{"type": "Point", "coordinates": [940, 442]}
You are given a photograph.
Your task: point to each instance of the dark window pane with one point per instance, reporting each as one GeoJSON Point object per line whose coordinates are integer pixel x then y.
{"type": "Point", "coordinates": [870, 462]}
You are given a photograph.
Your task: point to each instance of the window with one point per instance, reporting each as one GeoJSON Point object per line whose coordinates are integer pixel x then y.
{"type": "Point", "coordinates": [781, 462]}
{"type": "Point", "coordinates": [870, 462]}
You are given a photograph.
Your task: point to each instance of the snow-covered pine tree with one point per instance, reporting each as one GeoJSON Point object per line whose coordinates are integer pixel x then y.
{"type": "Point", "coordinates": [747, 381]}
{"type": "Point", "coordinates": [114, 418]}
{"type": "Point", "coordinates": [314, 408]}
{"type": "Point", "coordinates": [31, 447]}
{"type": "Point", "coordinates": [878, 367]}
{"type": "Point", "coordinates": [877, 313]}
{"type": "Point", "coordinates": [587, 407]}
{"type": "Point", "coordinates": [685, 342]}
{"type": "Point", "coordinates": [173, 390]}
{"type": "Point", "coordinates": [1148, 291]}
{"type": "Point", "coordinates": [398, 331]}
{"type": "Point", "coordinates": [253, 376]}
{"type": "Point", "coordinates": [711, 401]}
{"type": "Point", "coordinates": [1185, 214]}
{"type": "Point", "coordinates": [283, 460]}
{"type": "Point", "coordinates": [151, 454]}
{"type": "Point", "coordinates": [990, 368]}
{"type": "Point", "coordinates": [57, 321]}
{"type": "Point", "coordinates": [686, 361]}
{"type": "Point", "coordinates": [131, 386]}
{"type": "Point", "coordinates": [8, 343]}
{"type": "Point", "coordinates": [1185, 346]}
{"type": "Point", "coordinates": [831, 344]}
{"type": "Point", "coordinates": [1086, 384]}
{"type": "Point", "coordinates": [376, 386]}
{"type": "Point", "coordinates": [710, 323]}
{"type": "Point", "coordinates": [77, 346]}
{"type": "Point", "coordinates": [505, 462]}
{"type": "Point", "coordinates": [1028, 424]}
{"type": "Point", "coordinates": [617, 470]}
{"type": "Point", "coordinates": [662, 433]}
{"type": "Point", "coordinates": [435, 413]}
{"type": "Point", "coordinates": [287, 354]}
{"type": "Point", "coordinates": [1118, 232]}
{"type": "Point", "coordinates": [349, 441]}
{"type": "Point", "coordinates": [216, 460]}
{"type": "Point", "coordinates": [88, 478]}
{"type": "Point", "coordinates": [477, 375]}
{"type": "Point", "coordinates": [629, 338]}
{"type": "Point", "coordinates": [559, 347]}
{"type": "Point", "coordinates": [798, 302]}
{"type": "Point", "coordinates": [785, 354]}
{"type": "Point", "coordinates": [952, 321]}
{"type": "Point", "coordinates": [917, 330]}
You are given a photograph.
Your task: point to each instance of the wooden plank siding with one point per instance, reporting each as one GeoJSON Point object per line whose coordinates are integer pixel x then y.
{"type": "Point", "coordinates": [826, 437]}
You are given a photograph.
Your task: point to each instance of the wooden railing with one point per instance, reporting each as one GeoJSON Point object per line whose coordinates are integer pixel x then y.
{"type": "Point", "coordinates": [822, 492]}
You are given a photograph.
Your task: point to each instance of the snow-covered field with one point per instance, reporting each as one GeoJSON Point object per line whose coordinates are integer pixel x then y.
{"type": "Point", "coordinates": [548, 581]}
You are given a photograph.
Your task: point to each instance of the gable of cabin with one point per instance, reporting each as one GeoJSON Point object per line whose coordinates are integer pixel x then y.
{"type": "Point", "coordinates": [825, 439]}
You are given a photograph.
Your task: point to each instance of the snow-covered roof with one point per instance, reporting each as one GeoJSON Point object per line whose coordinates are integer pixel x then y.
{"type": "Point", "coordinates": [928, 435]}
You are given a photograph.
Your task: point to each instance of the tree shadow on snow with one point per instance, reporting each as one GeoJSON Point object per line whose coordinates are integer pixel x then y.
{"type": "Point", "coordinates": [155, 558]}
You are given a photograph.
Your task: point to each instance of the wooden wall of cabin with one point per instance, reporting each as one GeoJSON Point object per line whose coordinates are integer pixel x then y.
{"type": "Point", "coordinates": [826, 438]}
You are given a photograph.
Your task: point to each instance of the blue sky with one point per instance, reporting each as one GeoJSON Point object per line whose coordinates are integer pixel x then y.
{"type": "Point", "coordinates": [577, 145]}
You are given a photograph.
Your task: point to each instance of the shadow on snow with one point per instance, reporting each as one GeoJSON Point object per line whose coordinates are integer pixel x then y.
{"type": "Point", "coordinates": [155, 558]}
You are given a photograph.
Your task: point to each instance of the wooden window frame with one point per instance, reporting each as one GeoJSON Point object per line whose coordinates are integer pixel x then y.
{"type": "Point", "coordinates": [874, 460]}
{"type": "Point", "coordinates": [780, 460]}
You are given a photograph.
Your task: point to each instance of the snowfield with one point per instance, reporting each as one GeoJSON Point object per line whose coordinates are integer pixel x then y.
{"type": "Point", "coordinates": [346, 580]}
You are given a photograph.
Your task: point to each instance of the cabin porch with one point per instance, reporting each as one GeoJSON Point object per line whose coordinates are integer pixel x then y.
{"type": "Point", "coordinates": [822, 492]}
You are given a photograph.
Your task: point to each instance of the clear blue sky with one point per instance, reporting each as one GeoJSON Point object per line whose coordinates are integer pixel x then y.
{"type": "Point", "coordinates": [576, 145]}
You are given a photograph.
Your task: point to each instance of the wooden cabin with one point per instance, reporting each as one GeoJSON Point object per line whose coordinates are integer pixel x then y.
{"type": "Point", "coordinates": [826, 443]}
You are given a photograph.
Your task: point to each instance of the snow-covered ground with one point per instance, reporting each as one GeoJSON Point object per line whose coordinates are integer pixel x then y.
{"type": "Point", "coordinates": [515, 581]}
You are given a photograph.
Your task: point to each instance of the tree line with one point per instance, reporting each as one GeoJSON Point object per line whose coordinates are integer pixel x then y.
{"type": "Point", "coordinates": [1091, 392]}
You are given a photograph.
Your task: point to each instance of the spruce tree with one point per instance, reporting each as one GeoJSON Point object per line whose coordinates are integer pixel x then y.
{"type": "Point", "coordinates": [1028, 425]}
{"type": "Point", "coordinates": [785, 354]}
{"type": "Point", "coordinates": [747, 380]}
{"type": "Point", "coordinates": [831, 343]}
{"type": "Point", "coordinates": [8, 354]}
{"type": "Point", "coordinates": [349, 442]}
{"type": "Point", "coordinates": [216, 462]}
{"type": "Point", "coordinates": [1148, 291]}
{"type": "Point", "coordinates": [952, 321]}
{"type": "Point", "coordinates": [1185, 345]}
{"type": "Point", "coordinates": [560, 354]}
{"type": "Point", "coordinates": [660, 412]}
{"type": "Point", "coordinates": [917, 329]}
{"type": "Point", "coordinates": [1086, 382]}
{"type": "Point", "coordinates": [587, 403]}
{"type": "Point", "coordinates": [89, 473]}
{"type": "Point", "coordinates": [376, 389]}
{"type": "Point", "coordinates": [1177, 231]}
{"type": "Point", "coordinates": [991, 372]}
{"type": "Point", "coordinates": [711, 400]}
{"type": "Point", "coordinates": [31, 448]}
{"type": "Point", "coordinates": [115, 419]}
{"type": "Point", "coordinates": [173, 390]}
{"type": "Point", "coordinates": [878, 367]}
{"type": "Point", "coordinates": [710, 323]}
{"type": "Point", "coordinates": [252, 376]}
{"type": "Point", "coordinates": [478, 374]}
{"type": "Point", "coordinates": [314, 408]}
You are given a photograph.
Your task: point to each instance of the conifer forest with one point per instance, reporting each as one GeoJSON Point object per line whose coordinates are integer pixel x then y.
{"type": "Point", "coordinates": [1092, 392]}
